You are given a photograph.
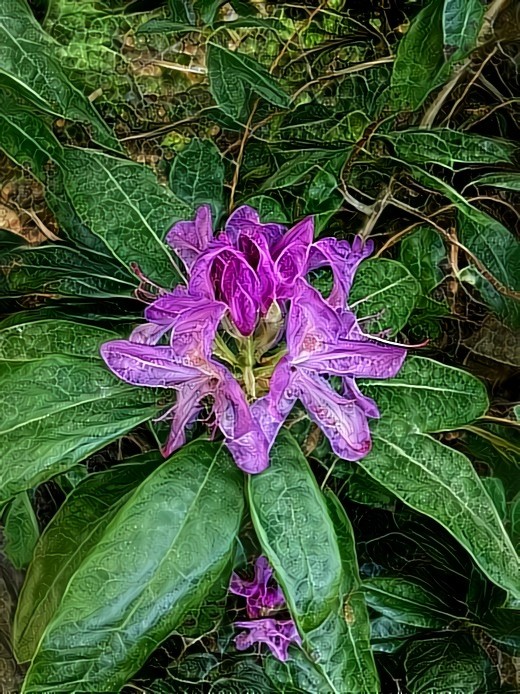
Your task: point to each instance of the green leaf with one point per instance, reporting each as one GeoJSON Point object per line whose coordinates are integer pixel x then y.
{"type": "Point", "coordinates": [388, 636]}
{"type": "Point", "coordinates": [420, 63]}
{"type": "Point", "coordinates": [269, 209]}
{"type": "Point", "coordinates": [461, 24]}
{"type": "Point", "coordinates": [421, 252]}
{"type": "Point", "coordinates": [407, 602]}
{"type": "Point", "coordinates": [25, 137]}
{"type": "Point", "coordinates": [232, 75]}
{"type": "Point", "coordinates": [296, 532]}
{"type": "Point", "coordinates": [57, 411]}
{"type": "Point", "coordinates": [509, 181]}
{"type": "Point", "coordinates": [163, 549]}
{"type": "Point", "coordinates": [32, 340]}
{"type": "Point", "coordinates": [449, 147]}
{"type": "Point", "coordinates": [29, 62]}
{"type": "Point", "coordinates": [61, 272]}
{"type": "Point", "coordinates": [429, 395]}
{"type": "Point", "coordinates": [441, 483]}
{"type": "Point", "coordinates": [453, 664]}
{"type": "Point", "coordinates": [181, 11]}
{"type": "Point", "coordinates": [499, 251]}
{"type": "Point", "coordinates": [385, 294]}
{"type": "Point", "coordinates": [122, 202]}
{"type": "Point", "coordinates": [197, 175]}
{"type": "Point", "coordinates": [68, 539]}
{"type": "Point", "coordinates": [20, 530]}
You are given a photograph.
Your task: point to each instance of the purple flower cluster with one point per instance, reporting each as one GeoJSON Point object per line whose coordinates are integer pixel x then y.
{"type": "Point", "coordinates": [248, 303]}
{"type": "Point", "coordinates": [263, 598]}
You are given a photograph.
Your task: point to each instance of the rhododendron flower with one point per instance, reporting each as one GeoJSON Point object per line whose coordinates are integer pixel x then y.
{"type": "Point", "coordinates": [323, 341]}
{"type": "Point", "coordinates": [262, 599]}
{"type": "Point", "coordinates": [276, 634]}
{"type": "Point", "coordinates": [219, 340]}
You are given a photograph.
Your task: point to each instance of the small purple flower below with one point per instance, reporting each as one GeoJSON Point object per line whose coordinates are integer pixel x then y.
{"type": "Point", "coordinates": [250, 336]}
{"type": "Point", "coordinates": [263, 599]}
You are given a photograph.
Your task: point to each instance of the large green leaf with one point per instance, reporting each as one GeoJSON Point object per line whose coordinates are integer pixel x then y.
{"type": "Point", "coordinates": [388, 636]}
{"type": "Point", "coordinates": [449, 147]}
{"type": "Point", "coordinates": [157, 559]}
{"type": "Point", "coordinates": [429, 395]}
{"type": "Point", "coordinates": [319, 580]}
{"type": "Point", "coordinates": [37, 338]}
{"type": "Point", "coordinates": [407, 602]}
{"type": "Point", "coordinates": [30, 64]}
{"type": "Point", "coordinates": [461, 24]}
{"type": "Point", "coordinates": [453, 664]}
{"type": "Point", "coordinates": [233, 75]}
{"type": "Point", "coordinates": [59, 271]}
{"type": "Point", "coordinates": [25, 137]}
{"type": "Point", "coordinates": [68, 539]}
{"type": "Point", "coordinates": [20, 531]}
{"type": "Point", "coordinates": [420, 63]}
{"type": "Point", "coordinates": [421, 252]}
{"type": "Point", "coordinates": [441, 483]}
{"type": "Point", "coordinates": [509, 181]}
{"type": "Point", "coordinates": [57, 411]}
{"type": "Point", "coordinates": [385, 293]}
{"type": "Point", "coordinates": [122, 202]}
{"type": "Point", "coordinates": [197, 175]}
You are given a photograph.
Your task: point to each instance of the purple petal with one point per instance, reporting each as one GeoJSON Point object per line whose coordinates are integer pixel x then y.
{"type": "Point", "coordinates": [312, 325]}
{"type": "Point", "coordinates": [148, 333]}
{"type": "Point", "coordinates": [352, 392]}
{"type": "Point", "coordinates": [291, 254]}
{"type": "Point", "coordinates": [244, 439]}
{"type": "Point", "coordinates": [342, 421]}
{"type": "Point", "coordinates": [344, 260]}
{"type": "Point", "coordinates": [186, 410]}
{"type": "Point", "coordinates": [359, 358]}
{"type": "Point", "coordinates": [246, 220]}
{"type": "Point", "coordinates": [189, 239]}
{"type": "Point", "coordinates": [145, 365]}
{"type": "Point", "coordinates": [260, 597]}
{"type": "Point", "coordinates": [276, 634]}
{"type": "Point", "coordinates": [271, 411]}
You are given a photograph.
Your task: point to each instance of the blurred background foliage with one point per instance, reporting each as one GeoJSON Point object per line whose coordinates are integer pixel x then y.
{"type": "Point", "coordinates": [394, 119]}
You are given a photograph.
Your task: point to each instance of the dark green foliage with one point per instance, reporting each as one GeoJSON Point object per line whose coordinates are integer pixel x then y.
{"type": "Point", "coordinates": [394, 121]}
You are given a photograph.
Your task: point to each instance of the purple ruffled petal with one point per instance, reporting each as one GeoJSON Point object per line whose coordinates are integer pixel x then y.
{"type": "Point", "coordinates": [246, 220]}
{"type": "Point", "coordinates": [145, 365]}
{"type": "Point", "coordinates": [271, 411]}
{"type": "Point", "coordinates": [343, 259]}
{"type": "Point", "coordinates": [261, 598]}
{"type": "Point", "coordinates": [276, 634]}
{"type": "Point", "coordinates": [342, 421]}
{"type": "Point", "coordinates": [291, 254]}
{"type": "Point", "coordinates": [190, 239]}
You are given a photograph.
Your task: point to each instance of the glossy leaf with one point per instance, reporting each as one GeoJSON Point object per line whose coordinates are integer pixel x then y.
{"type": "Point", "coordinates": [388, 636]}
{"type": "Point", "coordinates": [407, 602]}
{"type": "Point", "coordinates": [164, 548]}
{"type": "Point", "coordinates": [317, 570]}
{"type": "Point", "coordinates": [429, 395]}
{"type": "Point", "coordinates": [35, 339]}
{"type": "Point", "coordinates": [421, 252]}
{"type": "Point", "coordinates": [233, 75]}
{"type": "Point", "coordinates": [197, 175]}
{"type": "Point", "coordinates": [20, 531]}
{"type": "Point", "coordinates": [61, 272]}
{"type": "Point", "coordinates": [29, 61]}
{"type": "Point", "coordinates": [449, 147]}
{"type": "Point", "coordinates": [453, 664]}
{"type": "Point", "coordinates": [67, 541]}
{"type": "Point", "coordinates": [461, 24]}
{"type": "Point", "coordinates": [442, 483]}
{"type": "Point", "coordinates": [508, 181]}
{"type": "Point", "coordinates": [132, 211]}
{"type": "Point", "coordinates": [384, 293]}
{"type": "Point", "coordinates": [420, 64]}
{"type": "Point", "coordinates": [57, 411]}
